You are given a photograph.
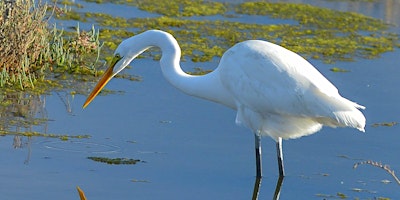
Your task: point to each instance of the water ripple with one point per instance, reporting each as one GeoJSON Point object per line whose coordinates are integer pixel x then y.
{"type": "Point", "coordinates": [79, 147]}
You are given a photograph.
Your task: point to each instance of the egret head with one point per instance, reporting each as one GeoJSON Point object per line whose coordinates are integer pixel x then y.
{"type": "Point", "coordinates": [107, 76]}
{"type": "Point", "coordinates": [128, 50]}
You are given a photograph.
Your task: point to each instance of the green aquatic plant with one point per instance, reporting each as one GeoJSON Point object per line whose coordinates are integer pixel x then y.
{"type": "Point", "coordinates": [175, 8]}
{"type": "Point", "coordinates": [312, 16]}
{"type": "Point", "coordinates": [38, 134]}
{"type": "Point", "coordinates": [185, 8]}
{"type": "Point", "coordinates": [332, 36]}
{"type": "Point", "coordinates": [140, 181]}
{"type": "Point", "coordinates": [336, 69]}
{"type": "Point", "coordinates": [115, 161]}
{"type": "Point", "coordinates": [328, 34]}
{"type": "Point", "coordinates": [199, 71]}
{"type": "Point", "coordinates": [387, 124]}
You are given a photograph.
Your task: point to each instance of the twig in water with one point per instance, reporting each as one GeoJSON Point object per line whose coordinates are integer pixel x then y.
{"type": "Point", "coordinates": [380, 165]}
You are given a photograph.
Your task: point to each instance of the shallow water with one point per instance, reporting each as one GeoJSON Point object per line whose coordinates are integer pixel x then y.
{"type": "Point", "coordinates": [192, 149]}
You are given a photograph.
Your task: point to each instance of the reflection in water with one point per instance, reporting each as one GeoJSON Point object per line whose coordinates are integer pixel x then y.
{"type": "Point", "coordinates": [19, 112]}
{"type": "Point", "coordinates": [278, 187]}
{"type": "Point", "coordinates": [23, 115]}
{"type": "Point", "coordinates": [19, 143]}
{"type": "Point", "coordinates": [66, 100]}
{"type": "Point", "coordinates": [81, 147]}
{"type": "Point", "coordinates": [256, 190]}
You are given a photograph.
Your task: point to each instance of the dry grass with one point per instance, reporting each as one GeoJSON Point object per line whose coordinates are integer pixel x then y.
{"type": "Point", "coordinates": [379, 165]}
{"type": "Point", "coordinates": [23, 35]}
{"type": "Point", "coordinates": [30, 48]}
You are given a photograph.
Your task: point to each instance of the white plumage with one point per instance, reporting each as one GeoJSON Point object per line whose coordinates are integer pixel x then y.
{"type": "Point", "coordinates": [280, 94]}
{"type": "Point", "coordinates": [275, 91]}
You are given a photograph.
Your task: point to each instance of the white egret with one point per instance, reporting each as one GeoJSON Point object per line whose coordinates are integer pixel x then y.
{"type": "Point", "coordinates": [275, 91]}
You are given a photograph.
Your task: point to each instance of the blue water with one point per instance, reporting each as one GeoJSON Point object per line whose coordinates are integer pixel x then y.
{"type": "Point", "coordinates": [192, 149]}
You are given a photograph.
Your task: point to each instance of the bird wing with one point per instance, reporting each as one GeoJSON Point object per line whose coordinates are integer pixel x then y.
{"type": "Point", "coordinates": [271, 80]}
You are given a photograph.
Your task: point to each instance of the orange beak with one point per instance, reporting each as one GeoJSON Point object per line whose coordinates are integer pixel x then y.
{"type": "Point", "coordinates": [103, 81]}
{"type": "Point", "coordinates": [81, 193]}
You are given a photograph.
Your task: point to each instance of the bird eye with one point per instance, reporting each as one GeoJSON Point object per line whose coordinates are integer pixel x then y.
{"type": "Point", "coordinates": [117, 57]}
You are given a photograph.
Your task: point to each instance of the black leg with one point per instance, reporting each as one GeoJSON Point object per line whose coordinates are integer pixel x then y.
{"type": "Point", "coordinates": [278, 188]}
{"type": "Point", "coordinates": [258, 155]}
{"type": "Point", "coordinates": [280, 157]}
{"type": "Point", "coordinates": [256, 189]}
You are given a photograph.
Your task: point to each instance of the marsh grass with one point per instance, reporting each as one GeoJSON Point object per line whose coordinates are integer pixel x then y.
{"type": "Point", "coordinates": [31, 49]}
{"type": "Point", "coordinates": [379, 165]}
{"type": "Point", "coordinates": [23, 34]}
{"type": "Point", "coordinates": [73, 52]}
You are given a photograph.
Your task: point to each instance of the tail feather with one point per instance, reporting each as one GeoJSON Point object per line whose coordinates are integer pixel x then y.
{"type": "Point", "coordinates": [341, 112]}
{"type": "Point", "coordinates": [354, 119]}
{"type": "Point", "coordinates": [351, 117]}
{"type": "Point", "coordinates": [358, 106]}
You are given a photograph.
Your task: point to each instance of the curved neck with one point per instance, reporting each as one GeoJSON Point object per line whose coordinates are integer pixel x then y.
{"type": "Point", "coordinates": [207, 86]}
